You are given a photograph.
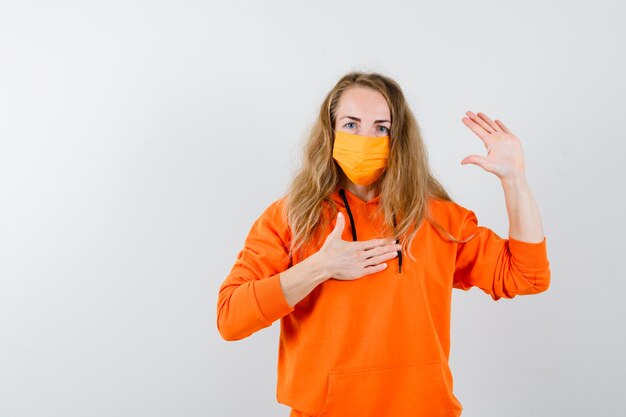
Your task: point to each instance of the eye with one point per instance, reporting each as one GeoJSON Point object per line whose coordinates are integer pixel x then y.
{"type": "Point", "coordinates": [384, 127]}
{"type": "Point", "coordinates": [349, 123]}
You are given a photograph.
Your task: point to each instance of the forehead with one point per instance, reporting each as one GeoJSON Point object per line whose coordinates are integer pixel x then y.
{"type": "Point", "coordinates": [363, 103]}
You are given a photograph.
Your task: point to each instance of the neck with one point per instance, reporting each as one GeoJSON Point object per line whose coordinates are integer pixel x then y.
{"type": "Point", "coordinates": [364, 192]}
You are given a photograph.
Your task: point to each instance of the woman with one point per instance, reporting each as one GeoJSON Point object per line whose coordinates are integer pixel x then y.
{"type": "Point", "coordinates": [362, 293]}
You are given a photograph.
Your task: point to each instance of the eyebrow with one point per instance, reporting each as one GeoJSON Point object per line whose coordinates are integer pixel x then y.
{"type": "Point", "coordinates": [359, 120]}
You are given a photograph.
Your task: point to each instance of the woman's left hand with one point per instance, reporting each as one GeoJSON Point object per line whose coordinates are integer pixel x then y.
{"type": "Point", "coordinates": [504, 150]}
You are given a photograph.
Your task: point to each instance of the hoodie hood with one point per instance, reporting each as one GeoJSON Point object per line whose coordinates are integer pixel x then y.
{"type": "Point", "coordinates": [344, 198]}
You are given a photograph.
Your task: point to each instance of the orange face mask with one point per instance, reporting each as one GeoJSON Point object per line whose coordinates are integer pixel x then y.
{"type": "Point", "coordinates": [362, 158]}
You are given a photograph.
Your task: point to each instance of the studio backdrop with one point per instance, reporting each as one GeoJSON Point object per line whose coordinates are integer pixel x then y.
{"type": "Point", "coordinates": [140, 140]}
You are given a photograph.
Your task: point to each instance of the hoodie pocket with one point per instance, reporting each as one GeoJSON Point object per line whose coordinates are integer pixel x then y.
{"type": "Point", "coordinates": [414, 389]}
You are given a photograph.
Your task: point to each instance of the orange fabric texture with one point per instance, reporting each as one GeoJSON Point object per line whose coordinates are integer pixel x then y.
{"type": "Point", "coordinates": [361, 158]}
{"type": "Point", "coordinates": [378, 345]}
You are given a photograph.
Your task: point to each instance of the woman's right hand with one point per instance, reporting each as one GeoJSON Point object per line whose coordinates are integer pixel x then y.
{"type": "Point", "coordinates": [347, 260]}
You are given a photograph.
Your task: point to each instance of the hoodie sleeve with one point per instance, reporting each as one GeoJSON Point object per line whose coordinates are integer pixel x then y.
{"type": "Point", "coordinates": [251, 297]}
{"type": "Point", "coordinates": [499, 267]}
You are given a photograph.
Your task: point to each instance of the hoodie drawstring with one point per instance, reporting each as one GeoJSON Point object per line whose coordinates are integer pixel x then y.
{"type": "Point", "coordinates": [399, 252]}
{"type": "Point", "coordinates": [353, 227]}
{"type": "Point", "coordinates": [345, 201]}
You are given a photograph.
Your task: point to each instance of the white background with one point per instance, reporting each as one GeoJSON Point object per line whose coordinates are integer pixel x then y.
{"type": "Point", "coordinates": [140, 140]}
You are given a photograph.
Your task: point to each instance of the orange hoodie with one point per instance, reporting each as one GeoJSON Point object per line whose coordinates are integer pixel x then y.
{"type": "Point", "coordinates": [379, 345]}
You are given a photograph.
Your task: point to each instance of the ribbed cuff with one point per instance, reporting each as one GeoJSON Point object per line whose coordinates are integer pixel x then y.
{"type": "Point", "coordinates": [527, 254]}
{"type": "Point", "coordinates": [271, 299]}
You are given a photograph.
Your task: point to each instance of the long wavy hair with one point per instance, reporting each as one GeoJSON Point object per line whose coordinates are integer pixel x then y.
{"type": "Point", "coordinates": [405, 185]}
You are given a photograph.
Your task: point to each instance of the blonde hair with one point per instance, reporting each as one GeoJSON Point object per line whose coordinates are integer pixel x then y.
{"type": "Point", "coordinates": [405, 185]}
